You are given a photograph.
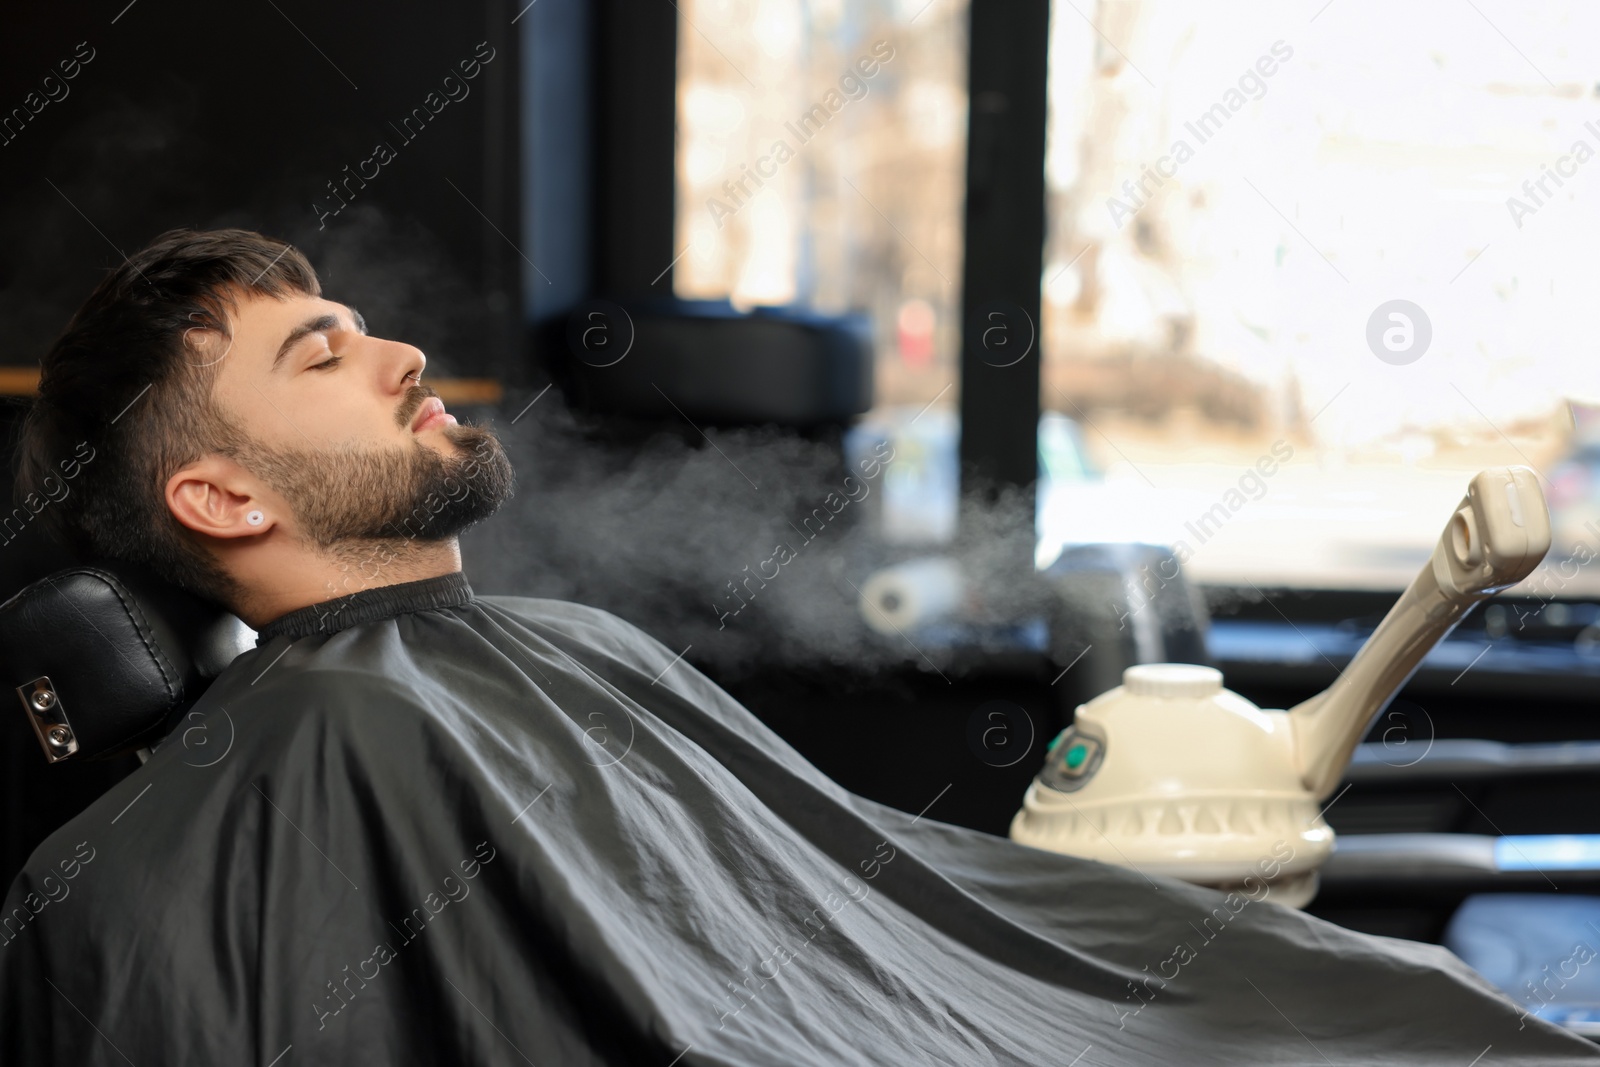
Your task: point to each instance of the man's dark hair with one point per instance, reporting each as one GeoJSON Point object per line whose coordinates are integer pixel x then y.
{"type": "Point", "coordinates": [125, 400]}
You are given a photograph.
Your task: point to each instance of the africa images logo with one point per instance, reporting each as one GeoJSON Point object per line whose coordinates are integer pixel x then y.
{"type": "Point", "coordinates": [1399, 332]}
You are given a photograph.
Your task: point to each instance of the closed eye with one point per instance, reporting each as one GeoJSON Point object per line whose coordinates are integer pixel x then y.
{"type": "Point", "coordinates": [327, 364]}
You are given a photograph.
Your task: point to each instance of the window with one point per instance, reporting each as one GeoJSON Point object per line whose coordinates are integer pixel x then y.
{"type": "Point", "coordinates": [1346, 244]}
{"type": "Point", "coordinates": [821, 162]}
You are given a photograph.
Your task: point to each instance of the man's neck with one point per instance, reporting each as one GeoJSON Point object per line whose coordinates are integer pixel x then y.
{"type": "Point", "coordinates": [287, 585]}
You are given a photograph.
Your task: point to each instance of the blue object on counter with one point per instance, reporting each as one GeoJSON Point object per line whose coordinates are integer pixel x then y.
{"type": "Point", "coordinates": [1548, 852]}
{"type": "Point", "coordinates": [1542, 950]}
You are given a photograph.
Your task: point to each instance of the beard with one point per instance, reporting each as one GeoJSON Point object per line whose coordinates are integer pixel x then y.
{"type": "Point", "coordinates": [348, 499]}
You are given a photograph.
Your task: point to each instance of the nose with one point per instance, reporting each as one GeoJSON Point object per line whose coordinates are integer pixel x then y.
{"type": "Point", "coordinates": [418, 365]}
{"type": "Point", "coordinates": [413, 363]}
{"type": "Point", "coordinates": [400, 370]}
{"type": "Point", "coordinates": [398, 366]}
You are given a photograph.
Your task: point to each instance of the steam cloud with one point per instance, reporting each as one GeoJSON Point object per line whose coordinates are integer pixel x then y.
{"type": "Point", "coordinates": [656, 531]}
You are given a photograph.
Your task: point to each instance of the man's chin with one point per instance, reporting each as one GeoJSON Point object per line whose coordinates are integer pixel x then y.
{"type": "Point", "coordinates": [477, 478]}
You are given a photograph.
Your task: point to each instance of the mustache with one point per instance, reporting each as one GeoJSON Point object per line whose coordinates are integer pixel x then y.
{"type": "Point", "coordinates": [413, 400]}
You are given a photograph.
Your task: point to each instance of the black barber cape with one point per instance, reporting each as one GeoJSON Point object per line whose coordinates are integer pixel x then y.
{"type": "Point", "coordinates": [434, 828]}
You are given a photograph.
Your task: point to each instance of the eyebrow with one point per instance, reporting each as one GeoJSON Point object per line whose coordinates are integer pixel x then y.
{"type": "Point", "coordinates": [319, 324]}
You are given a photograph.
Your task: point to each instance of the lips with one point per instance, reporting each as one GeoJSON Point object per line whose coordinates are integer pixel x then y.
{"type": "Point", "coordinates": [431, 415]}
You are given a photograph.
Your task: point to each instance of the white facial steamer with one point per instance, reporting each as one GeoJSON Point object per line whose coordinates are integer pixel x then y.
{"type": "Point", "coordinates": [1171, 773]}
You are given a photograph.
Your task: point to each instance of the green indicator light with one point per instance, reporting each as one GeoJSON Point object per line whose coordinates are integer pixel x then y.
{"type": "Point", "coordinates": [1076, 755]}
{"type": "Point", "coordinates": [1056, 743]}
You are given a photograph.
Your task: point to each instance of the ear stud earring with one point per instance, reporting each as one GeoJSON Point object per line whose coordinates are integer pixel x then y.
{"type": "Point", "coordinates": [255, 518]}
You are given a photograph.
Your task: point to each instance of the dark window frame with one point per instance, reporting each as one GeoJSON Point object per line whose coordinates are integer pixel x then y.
{"type": "Point", "coordinates": [635, 61]}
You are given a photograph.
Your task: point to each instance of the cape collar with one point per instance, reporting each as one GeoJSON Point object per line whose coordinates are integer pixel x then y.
{"type": "Point", "coordinates": [369, 605]}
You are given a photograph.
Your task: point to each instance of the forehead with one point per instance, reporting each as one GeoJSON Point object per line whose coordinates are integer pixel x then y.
{"type": "Point", "coordinates": [255, 314]}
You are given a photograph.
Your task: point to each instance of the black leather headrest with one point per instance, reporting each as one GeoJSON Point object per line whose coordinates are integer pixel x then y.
{"type": "Point", "coordinates": [106, 657]}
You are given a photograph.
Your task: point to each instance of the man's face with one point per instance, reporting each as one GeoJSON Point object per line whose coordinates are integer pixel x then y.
{"type": "Point", "coordinates": [338, 424]}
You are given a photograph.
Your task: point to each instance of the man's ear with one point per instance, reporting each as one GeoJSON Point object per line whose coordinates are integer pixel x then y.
{"type": "Point", "coordinates": [214, 496]}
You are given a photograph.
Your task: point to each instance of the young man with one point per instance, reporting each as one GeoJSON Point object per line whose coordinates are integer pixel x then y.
{"type": "Point", "coordinates": [462, 829]}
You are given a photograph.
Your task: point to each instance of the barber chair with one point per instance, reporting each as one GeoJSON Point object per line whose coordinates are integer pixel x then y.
{"type": "Point", "coordinates": [106, 659]}
{"type": "Point", "coordinates": [660, 361]}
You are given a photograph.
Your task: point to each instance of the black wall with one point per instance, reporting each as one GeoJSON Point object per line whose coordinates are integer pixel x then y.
{"type": "Point", "coordinates": [211, 115]}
